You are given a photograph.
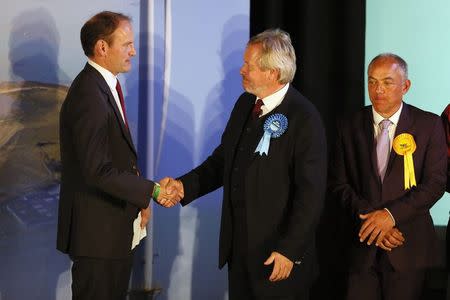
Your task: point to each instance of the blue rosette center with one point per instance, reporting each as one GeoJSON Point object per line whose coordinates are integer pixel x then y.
{"type": "Point", "coordinates": [274, 127]}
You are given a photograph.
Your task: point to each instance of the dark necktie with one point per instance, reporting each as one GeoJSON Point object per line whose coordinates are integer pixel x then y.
{"type": "Point", "coordinates": [122, 103]}
{"type": "Point", "coordinates": [256, 112]}
{"type": "Point", "coordinates": [383, 147]}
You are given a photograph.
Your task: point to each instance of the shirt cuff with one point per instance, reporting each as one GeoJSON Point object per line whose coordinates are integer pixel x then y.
{"type": "Point", "coordinates": [392, 217]}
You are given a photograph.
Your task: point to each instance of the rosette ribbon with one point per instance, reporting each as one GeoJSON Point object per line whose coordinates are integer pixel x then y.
{"type": "Point", "coordinates": [405, 146]}
{"type": "Point", "coordinates": [274, 127]}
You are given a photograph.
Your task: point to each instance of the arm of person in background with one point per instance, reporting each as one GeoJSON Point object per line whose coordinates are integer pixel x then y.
{"type": "Point", "coordinates": [446, 122]}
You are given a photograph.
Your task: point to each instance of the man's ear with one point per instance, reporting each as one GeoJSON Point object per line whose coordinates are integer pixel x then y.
{"type": "Point", "coordinates": [101, 48]}
{"type": "Point", "coordinates": [406, 86]}
{"type": "Point", "coordinates": [274, 74]}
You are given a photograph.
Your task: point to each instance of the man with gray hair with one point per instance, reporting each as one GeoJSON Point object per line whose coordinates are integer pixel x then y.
{"type": "Point", "coordinates": [388, 170]}
{"type": "Point", "coordinates": [271, 163]}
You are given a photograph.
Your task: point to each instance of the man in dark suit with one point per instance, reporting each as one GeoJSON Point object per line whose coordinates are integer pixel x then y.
{"type": "Point", "coordinates": [101, 190]}
{"type": "Point", "coordinates": [272, 199]}
{"type": "Point", "coordinates": [388, 170]}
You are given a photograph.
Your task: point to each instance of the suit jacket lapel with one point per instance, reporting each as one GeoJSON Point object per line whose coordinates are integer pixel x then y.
{"type": "Point", "coordinates": [238, 121]}
{"type": "Point", "coordinates": [241, 119]}
{"type": "Point", "coordinates": [105, 88]}
{"type": "Point", "coordinates": [370, 140]}
{"type": "Point", "coordinates": [283, 108]}
{"type": "Point", "coordinates": [404, 123]}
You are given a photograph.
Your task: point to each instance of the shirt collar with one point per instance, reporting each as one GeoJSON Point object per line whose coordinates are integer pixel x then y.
{"type": "Point", "coordinates": [377, 118]}
{"type": "Point", "coordinates": [273, 100]}
{"type": "Point", "coordinates": [109, 77]}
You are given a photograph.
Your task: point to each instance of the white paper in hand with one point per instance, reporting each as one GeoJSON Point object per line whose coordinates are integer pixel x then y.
{"type": "Point", "coordinates": [138, 232]}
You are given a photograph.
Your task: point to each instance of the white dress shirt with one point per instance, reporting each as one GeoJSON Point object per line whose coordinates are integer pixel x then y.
{"type": "Point", "coordinates": [377, 118]}
{"type": "Point", "coordinates": [111, 80]}
{"type": "Point", "coordinates": [273, 100]}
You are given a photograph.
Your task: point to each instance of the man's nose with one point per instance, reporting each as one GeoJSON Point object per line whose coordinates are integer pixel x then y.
{"type": "Point", "coordinates": [379, 88]}
{"type": "Point", "coordinates": [133, 51]}
{"type": "Point", "coordinates": [242, 70]}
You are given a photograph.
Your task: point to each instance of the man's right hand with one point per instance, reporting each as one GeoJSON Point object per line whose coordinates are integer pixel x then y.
{"type": "Point", "coordinates": [171, 192]}
{"type": "Point", "coordinates": [393, 239]}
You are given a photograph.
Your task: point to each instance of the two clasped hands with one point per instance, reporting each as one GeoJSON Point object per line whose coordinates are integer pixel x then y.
{"type": "Point", "coordinates": [379, 226]}
{"type": "Point", "coordinates": [171, 191]}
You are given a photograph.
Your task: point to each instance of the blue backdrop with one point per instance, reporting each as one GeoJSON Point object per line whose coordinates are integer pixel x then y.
{"type": "Point", "coordinates": [184, 81]}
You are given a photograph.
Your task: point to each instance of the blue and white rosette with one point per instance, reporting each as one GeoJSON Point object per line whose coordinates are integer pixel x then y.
{"type": "Point", "coordinates": [274, 127]}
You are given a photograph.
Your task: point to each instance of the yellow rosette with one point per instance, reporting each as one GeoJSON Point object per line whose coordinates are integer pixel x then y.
{"type": "Point", "coordinates": [405, 145]}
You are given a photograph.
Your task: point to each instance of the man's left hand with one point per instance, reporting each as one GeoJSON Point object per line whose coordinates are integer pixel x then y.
{"type": "Point", "coordinates": [375, 226]}
{"type": "Point", "coordinates": [145, 216]}
{"type": "Point", "coordinates": [282, 266]}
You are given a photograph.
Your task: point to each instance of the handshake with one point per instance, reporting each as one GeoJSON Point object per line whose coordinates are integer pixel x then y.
{"type": "Point", "coordinates": [171, 192]}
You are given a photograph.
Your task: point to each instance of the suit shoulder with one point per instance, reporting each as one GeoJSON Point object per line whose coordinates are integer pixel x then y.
{"type": "Point", "coordinates": [421, 114]}
{"type": "Point", "coordinates": [244, 98]}
{"type": "Point", "coordinates": [299, 104]}
{"type": "Point", "coordinates": [302, 114]}
{"type": "Point", "coordinates": [242, 101]}
{"type": "Point", "coordinates": [87, 92]}
{"type": "Point", "coordinates": [354, 120]}
{"type": "Point", "coordinates": [297, 99]}
{"type": "Point", "coordinates": [87, 84]}
{"type": "Point", "coordinates": [88, 80]}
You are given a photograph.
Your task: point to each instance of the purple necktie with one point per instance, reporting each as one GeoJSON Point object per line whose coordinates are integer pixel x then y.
{"type": "Point", "coordinates": [383, 147]}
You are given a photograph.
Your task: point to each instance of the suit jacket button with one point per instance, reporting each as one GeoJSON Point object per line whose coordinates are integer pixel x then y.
{"type": "Point", "coordinates": [297, 262]}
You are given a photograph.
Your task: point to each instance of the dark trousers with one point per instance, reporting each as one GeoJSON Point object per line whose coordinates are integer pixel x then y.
{"type": "Point", "coordinates": [100, 279]}
{"type": "Point", "coordinates": [382, 282]}
{"type": "Point", "coordinates": [242, 285]}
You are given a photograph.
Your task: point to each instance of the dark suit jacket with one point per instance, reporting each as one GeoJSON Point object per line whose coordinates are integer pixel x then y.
{"type": "Point", "coordinates": [446, 122]}
{"type": "Point", "coordinates": [284, 191]}
{"type": "Point", "coordinates": [354, 181]}
{"type": "Point", "coordinates": [101, 191]}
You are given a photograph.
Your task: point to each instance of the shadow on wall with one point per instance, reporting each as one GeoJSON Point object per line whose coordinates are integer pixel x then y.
{"type": "Point", "coordinates": [176, 157]}
{"type": "Point", "coordinates": [34, 47]}
{"type": "Point", "coordinates": [186, 239]}
{"type": "Point", "coordinates": [30, 161]}
{"type": "Point", "coordinates": [219, 103]}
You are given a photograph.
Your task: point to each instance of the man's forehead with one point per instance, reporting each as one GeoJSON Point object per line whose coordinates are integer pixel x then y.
{"type": "Point", "coordinates": [386, 67]}
{"type": "Point", "coordinates": [251, 53]}
{"type": "Point", "coordinates": [385, 62]}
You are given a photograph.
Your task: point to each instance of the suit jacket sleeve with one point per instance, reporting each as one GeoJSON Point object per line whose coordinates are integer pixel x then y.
{"type": "Point", "coordinates": [431, 186]}
{"type": "Point", "coordinates": [90, 119]}
{"type": "Point", "coordinates": [309, 185]}
{"type": "Point", "coordinates": [205, 178]}
{"type": "Point", "coordinates": [446, 121]}
{"type": "Point", "coordinates": [209, 175]}
{"type": "Point", "coordinates": [339, 185]}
